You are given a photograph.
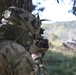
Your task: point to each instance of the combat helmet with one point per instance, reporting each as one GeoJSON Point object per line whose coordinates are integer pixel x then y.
{"type": "Point", "coordinates": [18, 17]}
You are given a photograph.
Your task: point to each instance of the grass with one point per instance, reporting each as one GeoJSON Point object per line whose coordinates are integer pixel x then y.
{"type": "Point", "coordinates": [58, 64]}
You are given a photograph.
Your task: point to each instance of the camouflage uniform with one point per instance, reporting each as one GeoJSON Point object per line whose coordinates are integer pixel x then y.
{"type": "Point", "coordinates": [17, 38]}
{"type": "Point", "coordinates": [15, 60]}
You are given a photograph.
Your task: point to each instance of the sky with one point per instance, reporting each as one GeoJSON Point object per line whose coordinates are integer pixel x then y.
{"type": "Point", "coordinates": [54, 11]}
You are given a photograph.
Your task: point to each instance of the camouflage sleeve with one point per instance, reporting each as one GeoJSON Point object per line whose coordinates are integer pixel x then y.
{"type": "Point", "coordinates": [15, 60]}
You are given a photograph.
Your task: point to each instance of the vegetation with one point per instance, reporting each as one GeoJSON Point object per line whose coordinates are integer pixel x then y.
{"type": "Point", "coordinates": [57, 60]}
{"type": "Point", "coordinates": [60, 30]}
{"type": "Point", "coordinates": [59, 64]}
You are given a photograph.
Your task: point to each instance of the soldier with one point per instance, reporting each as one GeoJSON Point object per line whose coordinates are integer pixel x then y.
{"type": "Point", "coordinates": [17, 37]}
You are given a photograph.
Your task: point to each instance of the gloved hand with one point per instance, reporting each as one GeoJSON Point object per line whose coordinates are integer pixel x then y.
{"type": "Point", "coordinates": [40, 45]}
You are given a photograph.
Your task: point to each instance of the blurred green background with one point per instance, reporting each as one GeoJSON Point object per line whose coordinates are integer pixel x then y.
{"type": "Point", "coordinates": [59, 60]}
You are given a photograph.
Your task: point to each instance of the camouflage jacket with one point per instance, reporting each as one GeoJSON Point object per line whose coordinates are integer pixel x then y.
{"type": "Point", "coordinates": [15, 60]}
